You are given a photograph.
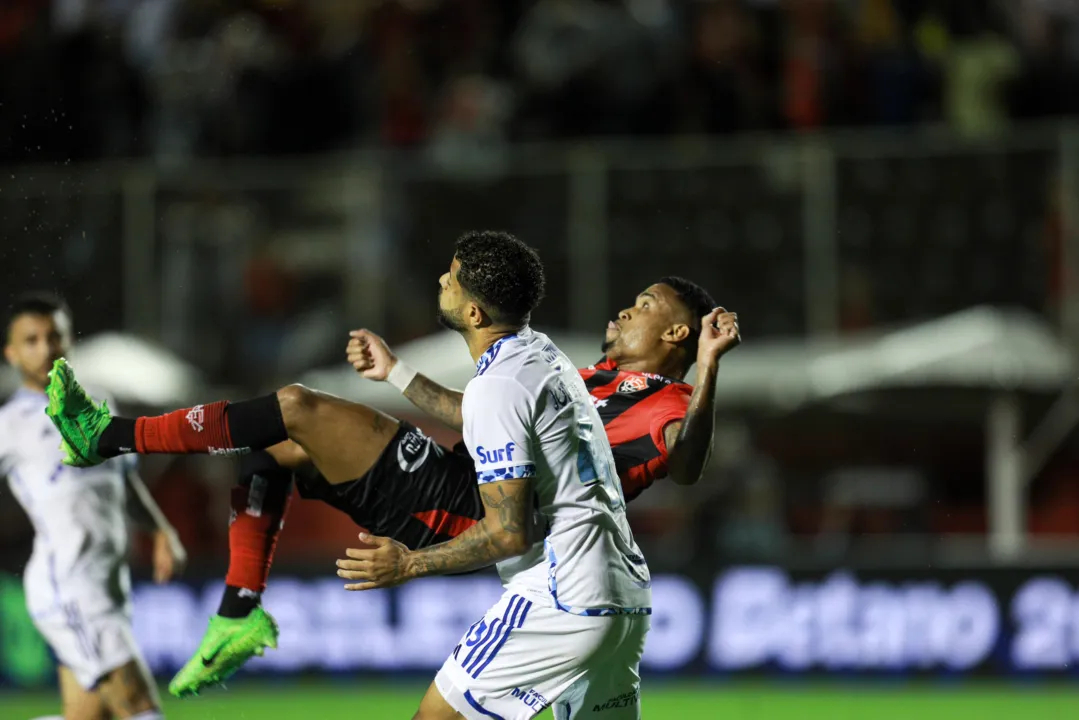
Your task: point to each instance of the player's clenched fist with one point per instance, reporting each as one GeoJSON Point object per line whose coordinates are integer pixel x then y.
{"type": "Point", "coordinates": [383, 565]}
{"type": "Point", "coordinates": [370, 355]}
{"type": "Point", "coordinates": [719, 334]}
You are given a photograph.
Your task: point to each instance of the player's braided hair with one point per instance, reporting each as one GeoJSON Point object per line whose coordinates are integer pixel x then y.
{"type": "Point", "coordinates": [697, 302]}
{"type": "Point", "coordinates": [502, 273]}
{"type": "Point", "coordinates": [33, 303]}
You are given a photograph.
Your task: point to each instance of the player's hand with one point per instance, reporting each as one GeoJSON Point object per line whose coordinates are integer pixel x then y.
{"type": "Point", "coordinates": [169, 555]}
{"type": "Point", "coordinates": [381, 566]}
{"type": "Point", "coordinates": [370, 355]}
{"type": "Point", "coordinates": [719, 335]}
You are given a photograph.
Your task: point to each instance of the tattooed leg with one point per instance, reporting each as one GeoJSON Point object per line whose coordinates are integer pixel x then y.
{"type": "Point", "coordinates": [129, 690]}
{"type": "Point", "coordinates": [343, 439]}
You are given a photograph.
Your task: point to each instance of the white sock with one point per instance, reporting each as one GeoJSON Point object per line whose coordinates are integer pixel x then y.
{"type": "Point", "coordinates": [49, 717]}
{"type": "Point", "coordinates": [148, 715]}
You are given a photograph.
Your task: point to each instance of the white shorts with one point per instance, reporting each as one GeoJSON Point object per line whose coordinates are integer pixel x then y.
{"type": "Point", "coordinates": [523, 657]}
{"type": "Point", "coordinates": [91, 647]}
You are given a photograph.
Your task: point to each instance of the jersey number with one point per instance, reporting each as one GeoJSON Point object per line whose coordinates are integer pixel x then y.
{"type": "Point", "coordinates": [593, 469]}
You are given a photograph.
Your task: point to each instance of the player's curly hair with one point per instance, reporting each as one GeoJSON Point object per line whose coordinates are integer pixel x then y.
{"type": "Point", "coordinates": [697, 302]}
{"type": "Point", "coordinates": [33, 303]}
{"type": "Point", "coordinates": [502, 273]}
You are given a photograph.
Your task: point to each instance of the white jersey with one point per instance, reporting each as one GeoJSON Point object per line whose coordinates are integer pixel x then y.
{"type": "Point", "coordinates": [527, 413]}
{"type": "Point", "coordinates": [81, 538]}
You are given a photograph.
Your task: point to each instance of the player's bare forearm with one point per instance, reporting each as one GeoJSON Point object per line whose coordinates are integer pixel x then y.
{"type": "Point", "coordinates": [689, 442]}
{"type": "Point", "coordinates": [142, 508]}
{"type": "Point", "coordinates": [502, 533]}
{"type": "Point", "coordinates": [437, 401]}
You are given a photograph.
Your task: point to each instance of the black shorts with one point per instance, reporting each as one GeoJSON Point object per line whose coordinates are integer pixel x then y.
{"type": "Point", "coordinates": [418, 492]}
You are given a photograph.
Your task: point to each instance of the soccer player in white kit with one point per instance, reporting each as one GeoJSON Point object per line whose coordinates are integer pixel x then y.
{"type": "Point", "coordinates": [570, 628]}
{"type": "Point", "coordinates": [77, 582]}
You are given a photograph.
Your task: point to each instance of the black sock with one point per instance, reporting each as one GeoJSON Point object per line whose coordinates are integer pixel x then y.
{"type": "Point", "coordinates": [256, 423]}
{"type": "Point", "coordinates": [238, 602]}
{"type": "Point", "coordinates": [117, 438]}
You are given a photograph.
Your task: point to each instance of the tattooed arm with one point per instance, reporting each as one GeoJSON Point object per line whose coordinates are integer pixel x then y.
{"type": "Point", "coordinates": [436, 400]}
{"type": "Point", "coordinates": [372, 358]}
{"type": "Point", "coordinates": [504, 532]}
{"type": "Point", "coordinates": [499, 421]}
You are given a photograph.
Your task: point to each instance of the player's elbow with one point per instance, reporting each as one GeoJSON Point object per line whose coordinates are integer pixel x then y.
{"type": "Point", "coordinates": [513, 542]}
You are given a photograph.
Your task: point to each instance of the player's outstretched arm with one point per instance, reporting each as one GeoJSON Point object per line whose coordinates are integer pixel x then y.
{"type": "Point", "coordinates": [503, 533]}
{"type": "Point", "coordinates": [689, 441]}
{"type": "Point", "coordinates": [372, 358]}
{"type": "Point", "coordinates": [169, 555]}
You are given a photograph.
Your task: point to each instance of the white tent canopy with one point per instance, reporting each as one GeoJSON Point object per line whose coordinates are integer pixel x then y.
{"type": "Point", "coordinates": [131, 370]}
{"type": "Point", "coordinates": [1003, 353]}
{"type": "Point", "coordinates": [977, 348]}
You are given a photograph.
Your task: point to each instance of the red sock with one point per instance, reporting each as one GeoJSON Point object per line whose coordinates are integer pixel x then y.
{"type": "Point", "coordinates": [257, 520]}
{"type": "Point", "coordinates": [199, 429]}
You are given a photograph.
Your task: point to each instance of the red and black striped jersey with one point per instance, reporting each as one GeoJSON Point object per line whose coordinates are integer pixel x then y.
{"type": "Point", "coordinates": [635, 408]}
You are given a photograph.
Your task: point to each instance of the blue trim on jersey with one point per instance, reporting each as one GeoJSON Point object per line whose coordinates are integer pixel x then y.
{"type": "Point", "coordinates": [479, 708]}
{"type": "Point", "coordinates": [517, 620]}
{"type": "Point", "coordinates": [552, 586]}
{"type": "Point", "coordinates": [483, 638]}
{"type": "Point", "coordinates": [491, 353]}
{"type": "Point", "coordinates": [497, 632]}
{"type": "Point", "coordinates": [514, 472]}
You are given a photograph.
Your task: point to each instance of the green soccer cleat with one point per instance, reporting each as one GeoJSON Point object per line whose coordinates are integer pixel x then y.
{"type": "Point", "coordinates": [79, 419]}
{"type": "Point", "coordinates": [227, 645]}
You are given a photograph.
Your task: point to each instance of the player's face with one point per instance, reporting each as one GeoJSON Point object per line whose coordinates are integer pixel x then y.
{"type": "Point", "coordinates": [34, 342]}
{"type": "Point", "coordinates": [451, 299]}
{"type": "Point", "coordinates": [644, 327]}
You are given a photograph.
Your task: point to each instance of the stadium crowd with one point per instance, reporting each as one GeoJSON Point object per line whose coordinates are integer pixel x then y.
{"type": "Point", "coordinates": [221, 77]}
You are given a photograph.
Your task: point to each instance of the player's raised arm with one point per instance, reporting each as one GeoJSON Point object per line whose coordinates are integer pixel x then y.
{"type": "Point", "coordinates": [498, 421]}
{"type": "Point", "coordinates": [372, 358]}
{"type": "Point", "coordinates": [689, 441]}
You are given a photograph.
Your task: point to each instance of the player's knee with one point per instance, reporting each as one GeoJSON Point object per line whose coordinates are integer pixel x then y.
{"type": "Point", "coordinates": [127, 692]}
{"type": "Point", "coordinates": [297, 404]}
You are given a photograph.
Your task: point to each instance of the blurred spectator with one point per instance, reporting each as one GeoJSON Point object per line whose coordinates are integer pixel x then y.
{"type": "Point", "coordinates": [181, 77]}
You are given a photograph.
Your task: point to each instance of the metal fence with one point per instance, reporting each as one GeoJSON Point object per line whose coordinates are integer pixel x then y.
{"type": "Point", "coordinates": [803, 234]}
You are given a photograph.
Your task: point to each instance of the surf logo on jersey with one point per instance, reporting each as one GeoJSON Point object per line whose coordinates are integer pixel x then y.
{"type": "Point", "coordinates": [413, 450]}
{"type": "Point", "coordinates": [497, 455]}
{"type": "Point", "coordinates": [196, 418]}
{"type": "Point", "coordinates": [632, 384]}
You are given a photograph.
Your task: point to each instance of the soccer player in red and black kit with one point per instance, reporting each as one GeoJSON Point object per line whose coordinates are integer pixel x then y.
{"type": "Point", "coordinates": [396, 482]}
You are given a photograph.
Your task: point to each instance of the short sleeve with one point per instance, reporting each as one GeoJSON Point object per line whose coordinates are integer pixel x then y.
{"type": "Point", "coordinates": [672, 408]}
{"type": "Point", "coordinates": [498, 416]}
